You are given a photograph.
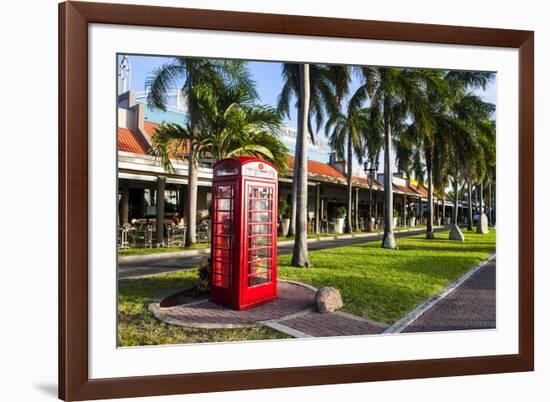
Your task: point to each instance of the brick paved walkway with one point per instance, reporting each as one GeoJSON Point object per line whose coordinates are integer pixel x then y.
{"type": "Point", "coordinates": [293, 299]}
{"type": "Point", "coordinates": [471, 306]}
{"type": "Point", "coordinates": [336, 324]}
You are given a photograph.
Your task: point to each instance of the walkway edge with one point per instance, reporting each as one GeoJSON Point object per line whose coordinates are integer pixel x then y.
{"type": "Point", "coordinates": [409, 318]}
{"type": "Point", "coordinates": [287, 330]}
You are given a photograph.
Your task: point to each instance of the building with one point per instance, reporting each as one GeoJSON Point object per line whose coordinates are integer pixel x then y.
{"type": "Point", "coordinates": [142, 179]}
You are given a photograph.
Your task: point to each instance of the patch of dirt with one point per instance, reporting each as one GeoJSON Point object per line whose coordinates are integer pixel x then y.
{"type": "Point", "coordinates": [183, 296]}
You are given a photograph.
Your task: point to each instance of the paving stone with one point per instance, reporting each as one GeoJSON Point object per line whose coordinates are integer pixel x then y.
{"type": "Point", "coordinates": [318, 324]}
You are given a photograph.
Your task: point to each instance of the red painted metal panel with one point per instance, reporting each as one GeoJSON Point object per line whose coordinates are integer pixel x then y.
{"type": "Point", "coordinates": [244, 233]}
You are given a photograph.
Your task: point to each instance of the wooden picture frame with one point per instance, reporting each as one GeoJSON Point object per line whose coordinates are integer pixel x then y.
{"type": "Point", "coordinates": [74, 382]}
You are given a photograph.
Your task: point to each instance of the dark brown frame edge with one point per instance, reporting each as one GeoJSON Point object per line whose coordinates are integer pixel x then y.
{"type": "Point", "coordinates": [74, 18]}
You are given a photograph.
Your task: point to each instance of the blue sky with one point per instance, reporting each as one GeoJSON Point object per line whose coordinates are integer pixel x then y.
{"type": "Point", "coordinates": [266, 74]}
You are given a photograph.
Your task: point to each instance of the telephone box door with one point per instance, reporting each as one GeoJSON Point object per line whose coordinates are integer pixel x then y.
{"type": "Point", "coordinates": [259, 278]}
{"type": "Point", "coordinates": [222, 241]}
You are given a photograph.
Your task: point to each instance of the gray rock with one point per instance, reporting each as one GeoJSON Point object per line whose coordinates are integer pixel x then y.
{"type": "Point", "coordinates": [328, 300]}
{"type": "Point", "coordinates": [456, 233]}
{"type": "Point", "coordinates": [483, 224]}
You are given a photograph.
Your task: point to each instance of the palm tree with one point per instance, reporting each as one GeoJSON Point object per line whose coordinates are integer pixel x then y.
{"type": "Point", "coordinates": [471, 111]}
{"type": "Point", "coordinates": [187, 74]}
{"type": "Point", "coordinates": [347, 132]}
{"type": "Point", "coordinates": [449, 146]}
{"type": "Point", "coordinates": [317, 89]}
{"type": "Point", "coordinates": [485, 158]}
{"type": "Point", "coordinates": [396, 94]}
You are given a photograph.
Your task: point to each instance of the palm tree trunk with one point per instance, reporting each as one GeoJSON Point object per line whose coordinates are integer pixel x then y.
{"type": "Point", "coordinates": [300, 254]}
{"type": "Point", "coordinates": [455, 211]}
{"type": "Point", "coordinates": [476, 188]}
{"type": "Point", "coordinates": [191, 214]}
{"type": "Point", "coordinates": [490, 207]}
{"type": "Point", "coordinates": [430, 222]}
{"type": "Point", "coordinates": [389, 239]}
{"type": "Point", "coordinates": [443, 209]}
{"type": "Point", "coordinates": [349, 228]}
{"type": "Point", "coordinates": [481, 203]}
{"type": "Point", "coordinates": [470, 208]}
{"type": "Point", "coordinates": [292, 226]}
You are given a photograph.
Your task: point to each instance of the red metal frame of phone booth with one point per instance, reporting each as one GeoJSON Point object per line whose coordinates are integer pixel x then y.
{"type": "Point", "coordinates": [244, 232]}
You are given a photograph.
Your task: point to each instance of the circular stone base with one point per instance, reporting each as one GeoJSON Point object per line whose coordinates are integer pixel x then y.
{"type": "Point", "coordinates": [293, 300]}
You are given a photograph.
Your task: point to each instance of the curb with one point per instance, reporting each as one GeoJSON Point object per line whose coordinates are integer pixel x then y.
{"type": "Point", "coordinates": [400, 325]}
{"type": "Point", "coordinates": [160, 256]}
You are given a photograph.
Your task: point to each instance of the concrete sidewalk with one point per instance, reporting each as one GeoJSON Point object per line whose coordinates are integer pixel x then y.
{"type": "Point", "coordinates": [151, 264]}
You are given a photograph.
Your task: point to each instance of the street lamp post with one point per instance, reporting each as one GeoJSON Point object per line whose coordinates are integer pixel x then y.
{"type": "Point", "coordinates": [370, 171]}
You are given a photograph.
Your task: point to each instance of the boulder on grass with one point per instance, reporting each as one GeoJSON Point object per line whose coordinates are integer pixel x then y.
{"type": "Point", "coordinates": [456, 233]}
{"type": "Point", "coordinates": [328, 300]}
{"type": "Point", "coordinates": [483, 224]}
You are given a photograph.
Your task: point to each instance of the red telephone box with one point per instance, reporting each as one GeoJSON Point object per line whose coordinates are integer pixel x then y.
{"type": "Point", "coordinates": [244, 232]}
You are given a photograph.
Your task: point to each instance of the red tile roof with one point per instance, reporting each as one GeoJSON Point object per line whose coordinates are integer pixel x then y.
{"type": "Point", "coordinates": [376, 185]}
{"type": "Point", "coordinates": [404, 189]}
{"type": "Point", "coordinates": [423, 191]}
{"type": "Point", "coordinates": [130, 141]}
{"type": "Point", "coordinates": [150, 129]}
{"type": "Point", "coordinates": [324, 170]}
{"type": "Point", "coordinates": [319, 169]}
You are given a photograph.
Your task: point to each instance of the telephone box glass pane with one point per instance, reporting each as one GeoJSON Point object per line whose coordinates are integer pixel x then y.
{"type": "Point", "coordinates": [222, 255]}
{"type": "Point", "coordinates": [222, 235]}
{"type": "Point", "coordinates": [260, 217]}
{"type": "Point", "coordinates": [259, 241]}
{"type": "Point", "coordinates": [223, 217]}
{"type": "Point", "coordinates": [223, 204]}
{"type": "Point", "coordinates": [259, 229]}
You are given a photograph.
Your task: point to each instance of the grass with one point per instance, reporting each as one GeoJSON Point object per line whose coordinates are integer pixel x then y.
{"type": "Point", "coordinates": [383, 285]}
{"type": "Point", "coordinates": [137, 326]}
{"type": "Point", "coordinates": [380, 284]}
{"type": "Point", "coordinates": [145, 251]}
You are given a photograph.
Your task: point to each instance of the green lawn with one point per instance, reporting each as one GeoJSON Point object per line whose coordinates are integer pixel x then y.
{"type": "Point", "coordinates": [382, 285]}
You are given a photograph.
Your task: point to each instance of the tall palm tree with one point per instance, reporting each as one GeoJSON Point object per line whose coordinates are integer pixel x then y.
{"type": "Point", "coordinates": [347, 132]}
{"type": "Point", "coordinates": [186, 74]}
{"type": "Point", "coordinates": [396, 94]}
{"type": "Point", "coordinates": [316, 89]}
